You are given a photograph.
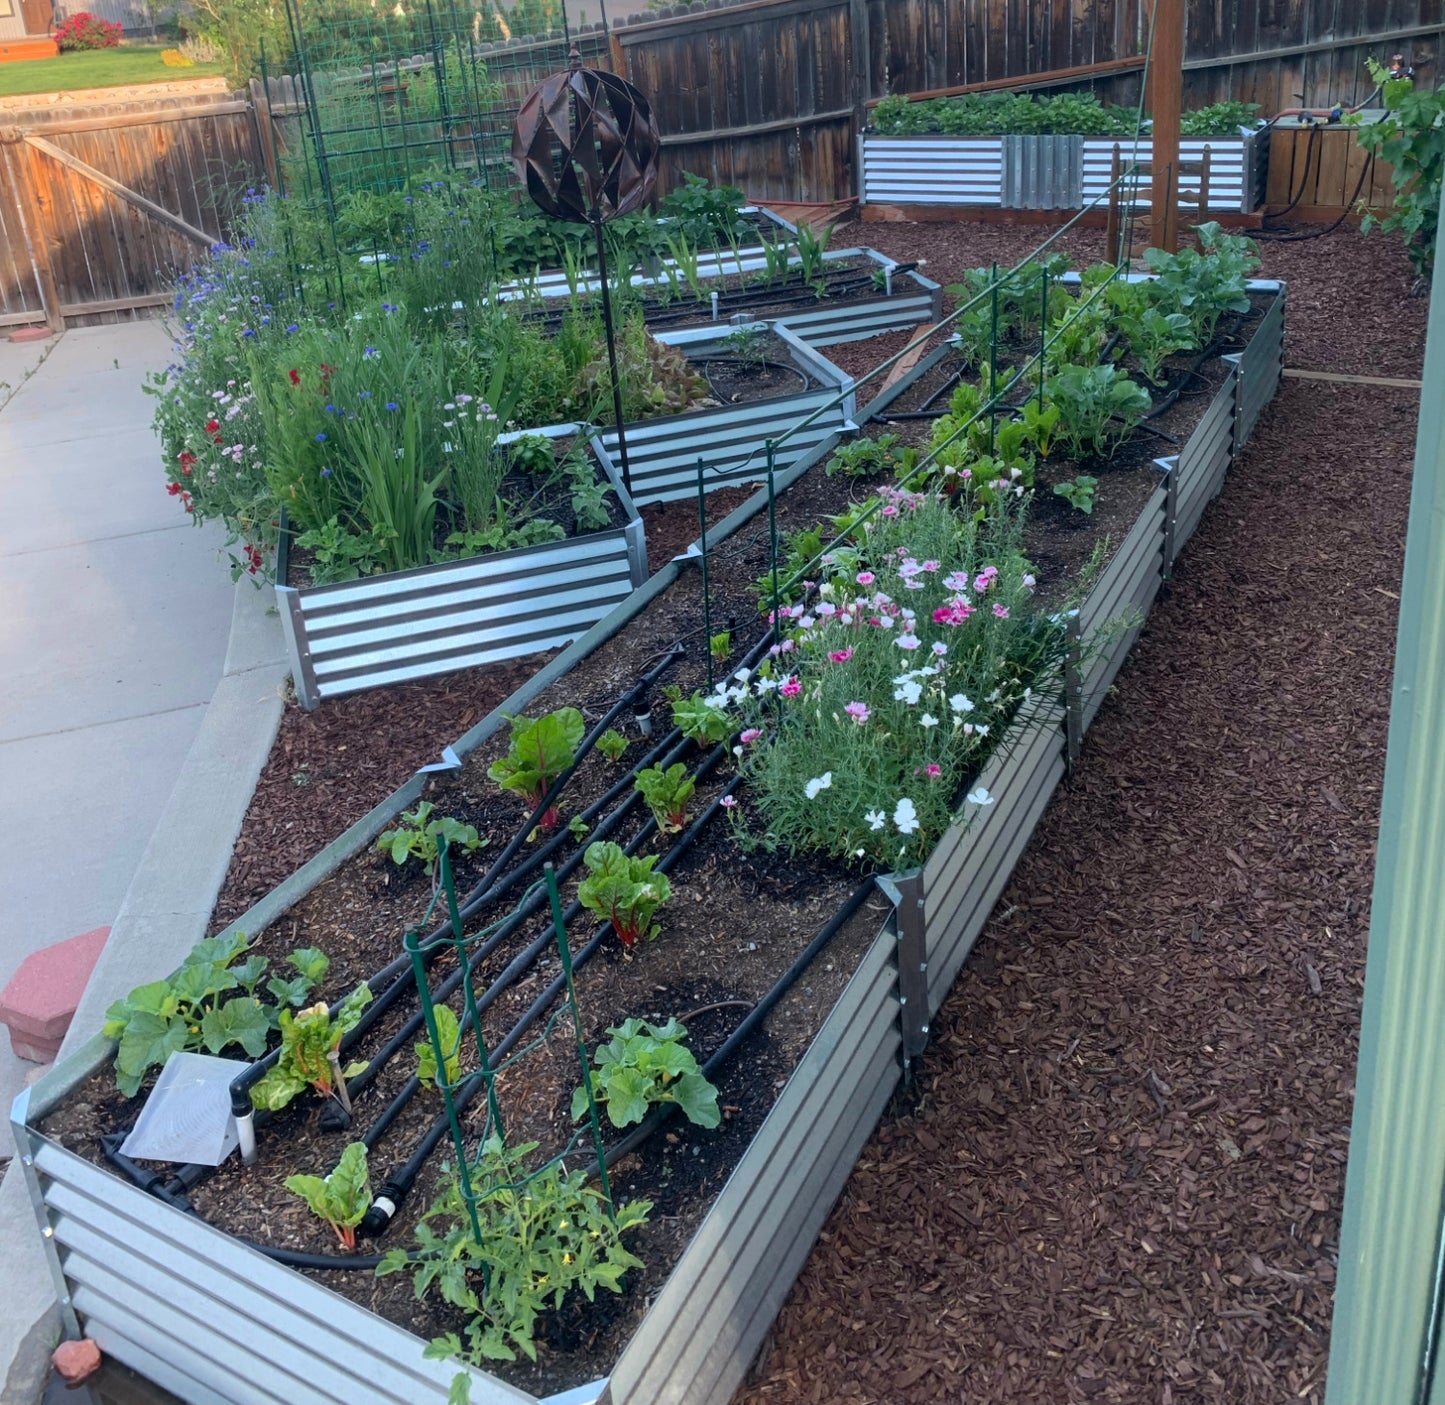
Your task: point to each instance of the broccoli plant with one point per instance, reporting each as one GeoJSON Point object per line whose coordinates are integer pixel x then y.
{"type": "Point", "coordinates": [1078, 492]}
{"type": "Point", "coordinates": [342, 1198]}
{"type": "Point", "coordinates": [310, 1053]}
{"type": "Point", "coordinates": [1098, 407]}
{"type": "Point", "coordinates": [623, 888]}
{"type": "Point", "coordinates": [644, 1064]}
{"type": "Point", "coordinates": [539, 753]}
{"type": "Point", "coordinates": [1156, 335]}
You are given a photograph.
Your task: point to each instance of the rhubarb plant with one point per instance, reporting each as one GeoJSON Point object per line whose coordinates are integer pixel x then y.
{"type": "Point", "coordinates": [666, 794]}
{"type": "Point", "coordinates": [310, 1053]}
{"type": "Point", "coordinates": [645, 1064]}
{"type": "Point", "coordinates": [540, 751]}
{"type": "Point", "coordinates": [624, 889]}
{"type": "Point", "coordinates": [342, 1198]}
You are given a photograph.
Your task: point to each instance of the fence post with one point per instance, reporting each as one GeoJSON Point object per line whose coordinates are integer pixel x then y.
{"type": "Point", "coordinates": [30, 174]}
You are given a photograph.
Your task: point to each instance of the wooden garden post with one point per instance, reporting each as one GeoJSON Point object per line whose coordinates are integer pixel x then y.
{"type": "Point", "coordinates": [1166, 94]}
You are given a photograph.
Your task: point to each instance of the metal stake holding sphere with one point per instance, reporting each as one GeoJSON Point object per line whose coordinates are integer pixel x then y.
{"type": "Point", "coordinates": [585, 146]}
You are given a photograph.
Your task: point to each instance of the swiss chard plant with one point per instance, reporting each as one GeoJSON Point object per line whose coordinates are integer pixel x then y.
{"type": "Point", "coordinates": [540, 751]}
{"type": "Point", "coordinates": [544, 1235]}
{"type": "Point", "coordinates": [623, 888]}
{"type": "Point", "coordinates": [342, 1198]}
{"type": "Point", "coordinates": [449, 1031]}
{"type": "Point", "coordinates": [209, 1003]}
{"type": "Point", "coordinates": [418, 836]}
{"type": "Point", "coordinates": [310, 1053]}
{"type": "Point", "coordinates": [645, 1064]}
{"type": "Point", "coordinates": [666, 793]}
{"type": "Point", "coordinates": [612, 744]}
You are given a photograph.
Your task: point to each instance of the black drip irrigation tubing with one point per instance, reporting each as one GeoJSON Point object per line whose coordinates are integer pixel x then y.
{"type": "Point", "coordinates": [172, 1187]}
{"type": "Point", "coordinates": [155, 1183]}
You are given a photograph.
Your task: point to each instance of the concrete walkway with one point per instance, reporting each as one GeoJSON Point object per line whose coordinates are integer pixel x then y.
{"type": "Point", "coordinates": [113, 642]}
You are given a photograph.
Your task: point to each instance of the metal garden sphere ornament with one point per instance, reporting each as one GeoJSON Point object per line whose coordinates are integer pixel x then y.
{"type": "Point", "coordinates": [585, 147]}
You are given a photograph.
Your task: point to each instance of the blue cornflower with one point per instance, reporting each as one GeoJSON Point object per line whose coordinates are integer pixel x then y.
{"type": "Point", "coordinates": [321, 438]}
{"type": "Point", "coordinates": [331, 409]}
{"type": "Point", "coordinates": [293, 328]}
{"type": "Point", "coordinates": [392, 405]}
{"type": "Point", "coordinates": [369, 353]}
{"type": "Point", "coordinates": [366, 395]}
{"type": "Point", "coordinates": [326, 473]}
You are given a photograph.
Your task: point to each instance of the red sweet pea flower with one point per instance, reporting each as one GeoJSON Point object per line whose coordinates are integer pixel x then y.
{"type": "Point", "coordinates": [185, 458]}
{"type": "Point", "coordinates": [174, 489]}
{"type": "Point", "coordinates": [326, 373]}
{"type": "Point", "coordinates": [295, 377]}
{"type": "Point", "coordinates": [212, 426]}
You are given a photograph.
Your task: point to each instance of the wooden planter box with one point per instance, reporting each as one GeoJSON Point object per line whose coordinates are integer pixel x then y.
{"type": "Point", "coordinates": [383, 629]}
{"type": "Point", "coordinates": [214, 1321]}
{"type": "Point", "coordinates": [1040, 173]}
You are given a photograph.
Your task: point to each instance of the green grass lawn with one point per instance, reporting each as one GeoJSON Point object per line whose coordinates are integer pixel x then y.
{"type": "Point", "coordinates": [95, 68]}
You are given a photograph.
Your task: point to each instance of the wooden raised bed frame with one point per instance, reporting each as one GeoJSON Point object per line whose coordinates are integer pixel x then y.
{"type": "Point", "coordinates": [214, 1321]}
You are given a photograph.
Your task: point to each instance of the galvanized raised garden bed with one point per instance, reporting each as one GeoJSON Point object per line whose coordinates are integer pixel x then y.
{"type": "Point", "coordinates": [413, 624]}
{"type": "Point", "coordinates": [216, 1322]}
{"type": "Point", "coordinates": [731, 440]}
{"type": "Point", "coordinates": [1041, 173]}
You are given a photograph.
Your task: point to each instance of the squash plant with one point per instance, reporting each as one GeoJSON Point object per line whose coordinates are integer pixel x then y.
{"type": "Point", "coordinates": [210, 1003]}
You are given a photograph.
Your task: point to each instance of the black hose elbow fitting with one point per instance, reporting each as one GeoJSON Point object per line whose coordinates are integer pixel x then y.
{"type": "Point", "coordinates": [384, 1205]}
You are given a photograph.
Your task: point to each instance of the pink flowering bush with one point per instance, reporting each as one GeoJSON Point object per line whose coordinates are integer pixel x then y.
{"type": "Point", "coordinates": [84, 30]}
{"type": "Point", "coordinates": [896, 679]}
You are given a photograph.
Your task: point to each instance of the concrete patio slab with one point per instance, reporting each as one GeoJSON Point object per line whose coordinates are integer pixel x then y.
{"type": "Point", "coordinates": [133, 716]}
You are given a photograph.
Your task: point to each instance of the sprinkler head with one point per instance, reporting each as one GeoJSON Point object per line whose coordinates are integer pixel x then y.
{"type": "Point", "coordinates": [643, 718]}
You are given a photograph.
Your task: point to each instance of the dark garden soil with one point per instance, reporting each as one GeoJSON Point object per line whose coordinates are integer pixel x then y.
{"type": "Point", "coordinates": [1119, 1174]}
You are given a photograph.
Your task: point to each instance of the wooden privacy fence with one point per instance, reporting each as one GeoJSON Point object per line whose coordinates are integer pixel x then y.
{"type": "Point", "coordinates": [100, 204]}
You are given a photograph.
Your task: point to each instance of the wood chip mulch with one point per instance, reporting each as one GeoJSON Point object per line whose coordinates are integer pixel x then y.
{"type": "Point", "coordinates": [1118, 1175]}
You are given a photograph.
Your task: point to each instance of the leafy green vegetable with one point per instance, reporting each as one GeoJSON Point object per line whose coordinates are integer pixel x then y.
{"type": "Point", "coordinates": [419, 836]}
{"type": "Point", "coordinates": [666, 794]}
{"type": "Point", "coordinates": [540, 751]}
{"type": "Point", "coordinates": [700, 720]}
{"type": "Point", "coordinates": [342, 1198]}
{"type": "Point", "coordinates": [643, 1064]}
{"type": "Point", "coordinates": [1098, 408]}
{"type": "Point", "coordinates": [624, 889]}
{"type": "Point", "coordinates": [450, 1032]}
{"type": "Point", "coordinates": [612, 744]}
{"type": "Point", "coordinates": [311, 965]}
{"type": "Point", "coordinates": [309, 1042]}
{"type": "Point", "coordinates": [1078, 492]}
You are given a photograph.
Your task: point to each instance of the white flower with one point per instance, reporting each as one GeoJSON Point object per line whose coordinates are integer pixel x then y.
{"type": "Point", "coordinates": [959, 703]}
{"type": "Point", "coordinates": [979, 796]}
{"type": "Point", "coordinates": [826, 591]}
{"type": "Point", "coordinates": [908, 692]}
{"type": "Point", "coordinates": [981, 730]}
{"type": "Point", "coordinates": [939, 648]}
{"type": "Point", "coordinates": [743, 674]}
{"type": "Point", "coordinates": [907, 641]}
{"type": "Point", "coordinates": [928, 720]}
{"type": "Point", "coordinates": [905, 816]}
{"type": "Point", "coordinates": [823, 782]}
{"type": "Point", "coordinates": [876, 819]}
